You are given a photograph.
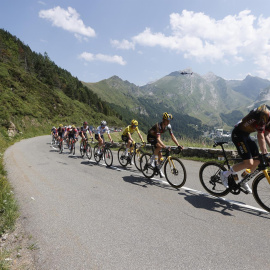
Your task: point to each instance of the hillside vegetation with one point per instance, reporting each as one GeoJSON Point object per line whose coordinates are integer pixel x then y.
{"type": "Point", "coordinates": [36, 93]}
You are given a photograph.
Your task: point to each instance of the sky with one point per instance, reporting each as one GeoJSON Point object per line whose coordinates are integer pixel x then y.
{"type": "Point", "coordinates": [144, 40]}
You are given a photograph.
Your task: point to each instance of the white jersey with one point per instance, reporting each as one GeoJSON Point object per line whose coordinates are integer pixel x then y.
{"type": "Point", "coordinates": [84, 130]}
{"type": "Point", "coordinates": [101, 130]}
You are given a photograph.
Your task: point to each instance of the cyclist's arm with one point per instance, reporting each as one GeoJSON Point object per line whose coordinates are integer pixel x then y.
{"type": "Point", "coordinates": [175, 141]}
{"type": "Point", "coordinates": [140, 136]}
{"type": "Point", "coordinates": [267, 137]}
{"type": "Point", "coordinates": [261, 142]}
{"type": "Point", "coordinates": [129, 137]}
{"type": "Point", "coordinates": [110, 137]}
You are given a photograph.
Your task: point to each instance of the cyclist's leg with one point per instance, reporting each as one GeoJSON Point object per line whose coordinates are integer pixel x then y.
{"type": "Point", "coordinates": [247, 149]}
{"type": "Point", "coordinates": [100, 142]}
{"type": "Point", "coordinates": [153, 141]}
{"type": "Point", "coordinates": [128, 142]}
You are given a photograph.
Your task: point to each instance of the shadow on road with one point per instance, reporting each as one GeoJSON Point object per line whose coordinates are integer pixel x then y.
{"type": "Point", "coordinates": [218, 205]}
{"type": "Point", "coordinates": [144, 182]}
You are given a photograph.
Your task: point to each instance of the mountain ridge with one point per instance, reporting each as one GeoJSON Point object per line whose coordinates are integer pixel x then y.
{"type": "Point", "coordinates": [208, 98]}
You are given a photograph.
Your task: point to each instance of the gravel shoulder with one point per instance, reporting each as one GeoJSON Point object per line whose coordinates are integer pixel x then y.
{"type": "Point", "coordinates": [18, 248]}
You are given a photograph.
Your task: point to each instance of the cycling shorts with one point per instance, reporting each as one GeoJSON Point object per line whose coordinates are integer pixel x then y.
{"type": "Point", "coordinates": [96, 137]}
{"type": "Point", "coordinates": [246, 147]}
{"type": "Point", "coordinates": [71, 136]}
{"type": "Point", "coordinates": [125, 138]}
{"type": "Point", "coordinates": [61, 134]}
{"type": "Point", "coordinates": [152, 140]}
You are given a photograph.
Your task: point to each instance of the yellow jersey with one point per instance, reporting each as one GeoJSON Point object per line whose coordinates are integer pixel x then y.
{"type": "Point", "coordinates": [130, 130]}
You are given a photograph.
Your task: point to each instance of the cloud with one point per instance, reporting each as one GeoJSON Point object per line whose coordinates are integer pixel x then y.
{"type": "Point", "coordinates": [203, 38]}
{"type": "Point", "coordinates": [124, 44]}
{"type": "Point", "coordinates": [68, 20]}
{"type": "Point", "coordinates": [89, 57]}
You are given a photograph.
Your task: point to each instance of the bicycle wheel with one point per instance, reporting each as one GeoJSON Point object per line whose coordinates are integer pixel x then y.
{"type": "Point", "coordinates": [108, 156]}
{"type": "Point", "coordinates": [61, 147]}
{"type": "Point", "coordinates": [261, 191]}
{"type": "Point", "coordinates": [175, 172]}
{"type": "Point", "coordinates": [210, 179]}
{"type": "Point", "coordinates": [97, 156]}
{"type": "Point", "coordinates": [147, 170]}
{"type": "Point", "coordinates": [88, 151]}
{"type": "Point", "coordinates": [137, 159]}
{"type": "Point", "coordinates": [122, 157]}
{"type": "Point", "coordinates": [82, 149]}
{"type": "Point", "coordinates": [73, 145]}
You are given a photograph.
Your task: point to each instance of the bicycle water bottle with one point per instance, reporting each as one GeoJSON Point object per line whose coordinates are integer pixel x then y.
{"type": "Point", "coordinates": [246, 172]}
{"type": "Point", "coordinates": [235, 177]}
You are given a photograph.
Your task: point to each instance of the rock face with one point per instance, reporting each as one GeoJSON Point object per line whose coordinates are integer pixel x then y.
{"type": "Point", "coordinates": [12, 131]}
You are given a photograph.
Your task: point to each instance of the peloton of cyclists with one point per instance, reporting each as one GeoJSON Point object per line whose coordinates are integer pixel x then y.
{"type": "Point", "coordinates": [154, 138]}
{"type": "Point", "coordinates": [103, 128]}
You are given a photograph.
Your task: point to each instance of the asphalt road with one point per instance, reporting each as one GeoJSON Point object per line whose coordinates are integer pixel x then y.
{"type": "Point", "coordinates": [87, 216]}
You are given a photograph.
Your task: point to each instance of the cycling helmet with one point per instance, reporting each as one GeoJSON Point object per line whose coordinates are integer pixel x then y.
{"type": "Point", "coordinates": [167, 116]}
{"type": "Point", "coordinates": [53, 127]}
{"type": "Point", "coordinates": [103, 123]}
{"type": "Point", "coordinates": [134, 122]}
{"type": "Point", "coordinates": [69, 126]}
{"type": "Point", "coordinates": [85, 123]}
{"type": "Point", "coordinates": [60, 125]}
{"type": "Point", "coordinates": [73, 126]}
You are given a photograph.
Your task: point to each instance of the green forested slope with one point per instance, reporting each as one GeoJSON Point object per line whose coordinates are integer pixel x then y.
{"type": "Point", "coordinates": [35, 92]}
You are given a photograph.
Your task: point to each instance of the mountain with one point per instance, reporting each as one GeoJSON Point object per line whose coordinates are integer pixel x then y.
{"type": "Point", "coordinates": [197, 102]}
{"type": "Point", "coordinates": [203, 97]}
{"type": "Point", "coordinates": [36, 93]}
{"type": "Point", "coordinates": [132, 101]}
{"type": "Point", "coordinates": [116, 91]}
{"type": "Point", "coordinates": [250, 86]}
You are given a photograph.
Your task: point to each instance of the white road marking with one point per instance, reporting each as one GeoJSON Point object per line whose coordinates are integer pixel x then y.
{"type": "Point", "coordinates": [200, 192]}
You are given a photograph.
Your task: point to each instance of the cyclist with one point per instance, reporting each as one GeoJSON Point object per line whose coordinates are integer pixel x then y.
{"type": "Point", "coordinates": [54, 132]}
{"type": "Point", "coordinates": [103, 128]}
{"type": "Point", "coordinates": [61, 132]}
{"type": "Point", "coordinates": [255, 121]}
{"type": "Point", "coordinates": [153, 137]}
{"type": "Point", "coordinates": [72, 133]}
{"type": "Point", "coordinates": [83, 132]}
{"type": "Point", "coordinates": [128, 131]}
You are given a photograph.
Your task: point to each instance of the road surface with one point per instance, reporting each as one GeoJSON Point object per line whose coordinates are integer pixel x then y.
{"type": "Point", "coordinates": [87, 216]}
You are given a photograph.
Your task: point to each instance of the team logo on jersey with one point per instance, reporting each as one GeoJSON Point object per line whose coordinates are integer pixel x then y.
{"type": "Point", "coordinates": [249, 122]}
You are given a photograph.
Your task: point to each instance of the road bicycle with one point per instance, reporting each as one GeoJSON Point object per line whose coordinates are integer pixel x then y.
{"type": "Point", "coordinates": [54, 140]}
{"type": "Point", "coordinates": [61, 145]}
{"type": "Point", "coordinates": [174, 169]}
{"type": "Point", "coordinates": [105, 153]}
{"type": "Point", "coordinates": [210, 179]}
{"type": "Point", "coordinates": [72, 146]}
{"type": "Point", "coordinates": [85, 148]}
{"type": "Point", "coordinates": [135, 152]}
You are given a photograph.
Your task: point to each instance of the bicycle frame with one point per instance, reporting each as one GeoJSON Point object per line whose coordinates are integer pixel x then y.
{"type": "Point", "coordinates": [249, 176]}
{"type": "Point", "coordinates": [167, 157]}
